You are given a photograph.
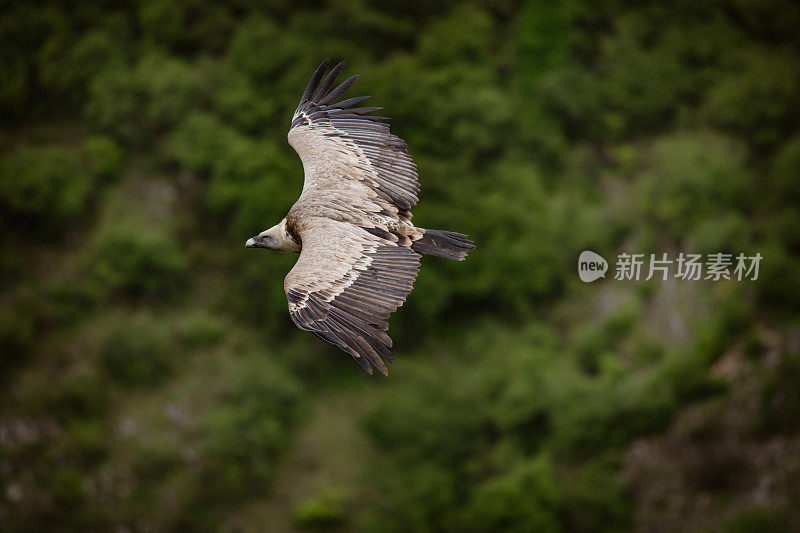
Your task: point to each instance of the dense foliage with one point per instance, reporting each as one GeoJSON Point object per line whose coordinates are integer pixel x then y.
{"type": "Point", "coordinates": [152, 380]}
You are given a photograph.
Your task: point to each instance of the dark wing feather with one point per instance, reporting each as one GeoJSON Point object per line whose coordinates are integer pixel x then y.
{"type": "Point", "coordinates": [384, 164]}
{"type": "Point", "coordinates": [345, 285]}
{"type": "Point", "coordinates": [312, 83]}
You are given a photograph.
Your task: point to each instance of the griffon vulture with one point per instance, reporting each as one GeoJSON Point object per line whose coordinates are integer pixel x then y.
{"type": "Point", "coordinates": [359, 251]}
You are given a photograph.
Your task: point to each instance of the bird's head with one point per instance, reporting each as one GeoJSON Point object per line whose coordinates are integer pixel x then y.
{"type": "Point", "coordinates": [268, 239]}
{"type": "Point", "coordinates": [275, 238]}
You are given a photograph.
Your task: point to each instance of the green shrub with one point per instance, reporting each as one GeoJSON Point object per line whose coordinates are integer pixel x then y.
{"type": "Point", "coordinates": [726, 232]}
{"type": "Point", "coordinates": [591, 341]}
{"type": "Point", "coordinates": [66, 484]}
{"type": "Point", "coordinates": [81, 397]}
{"type": "Point", "coordinates": [640, 86]}
{"type": "Point", "coordinates": [247, 428]}
{"type": "Point", "coordinates": [43, 187]}
{"type": "Point", "coordinates": [595, 500]}
{"type": "Point", "coordinates": [778, 281]}
{"type": "Point", "coordinates": [786, 170]}
{"type": "Point", "coordinates": [201, 329]}
{"type": "Point", "coordinates": [105, 155]}
{"type": "Point", "coordinates": [780, 401]}
{"type": "Point", "coordinates": [133, 104]}
{"type": "Point", "coordinates": [138, 351]}
{"type": "Point", "coordinates": [155, 461]}
{"type": "Point", "coordinates": [248, 178]}
{"type": "Point", "coordinates": [14, 90]}
{"type": "Point", "coordinates": [686, 372]}
{"type": "Point", "coordinates": [240, 168]}
{"type": "Point", "coordinates": [162, 20]}
{"type": "Point", "coordinates": [527, 498]}
{"type": "Point", "coordinates": [138, 262]}
{"type": "Point", "coordinates": [113, 105]}
{"type": "Point", "coordinates": [239, 101]}
{"type": "Point", "coordinates": [68, 300]}
{"type": "Point", "coordinates": [257, 49]}
{"type": "Point", "coordinates": [462, 36]}
{"type": "Point", "coordinates": [623, 319]}
{"type": "Point", "coordinates": [447, 434]}
{"type": "Point", "coordinates": [199, 140]}
{"type": "Point", "coordinates": [169, 88]}
{"type": "Point", "coordinates": [323, 511]}
{"type": "Point", "coordinates": [690, 178]}
{"type": "Point", "coordinates": [593, 414]}
{"type": "Point", "coordinates": [766, 518]}
{"type": "Point", "coordinates": [759, 98]}
{"type": "Point", "coordinates": [782, 227]}
{"type": "Point", "coordinates": [422, 497]}
{"type": "Point", "coordinates": [18, 323]}
{"type": "Point", "coordinates": [87, 440]}
{"type": "Point", "coordinates": [67, 63]}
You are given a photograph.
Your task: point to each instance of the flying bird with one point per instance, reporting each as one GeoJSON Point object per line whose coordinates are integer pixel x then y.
{"type": "Point", "coordinates": [359, 251]}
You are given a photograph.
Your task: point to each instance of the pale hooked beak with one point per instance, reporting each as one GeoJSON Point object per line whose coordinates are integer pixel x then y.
{"type": "Point", "coordinates": [251, 243]}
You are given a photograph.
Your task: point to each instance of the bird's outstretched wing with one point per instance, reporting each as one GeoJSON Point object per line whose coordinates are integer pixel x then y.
{"type": "Point", "coordinates": [341, 146]}
{"type": "Point", "coordinates": [345, 285]}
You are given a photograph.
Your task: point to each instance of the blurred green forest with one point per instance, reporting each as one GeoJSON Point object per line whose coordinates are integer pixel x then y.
{"type": "Point", "coordinates": [151, 379]}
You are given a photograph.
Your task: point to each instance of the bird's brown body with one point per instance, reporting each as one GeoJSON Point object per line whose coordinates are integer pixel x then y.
{"type": "Point", "coordinates": [359, 251]}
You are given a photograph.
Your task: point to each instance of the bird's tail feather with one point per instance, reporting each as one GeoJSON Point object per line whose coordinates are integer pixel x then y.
{"type": "Point", "coordinates": [441, 243]}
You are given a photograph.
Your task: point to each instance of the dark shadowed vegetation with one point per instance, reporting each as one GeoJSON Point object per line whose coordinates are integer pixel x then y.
{"type": "Point", "coordinates": [151, 379]}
